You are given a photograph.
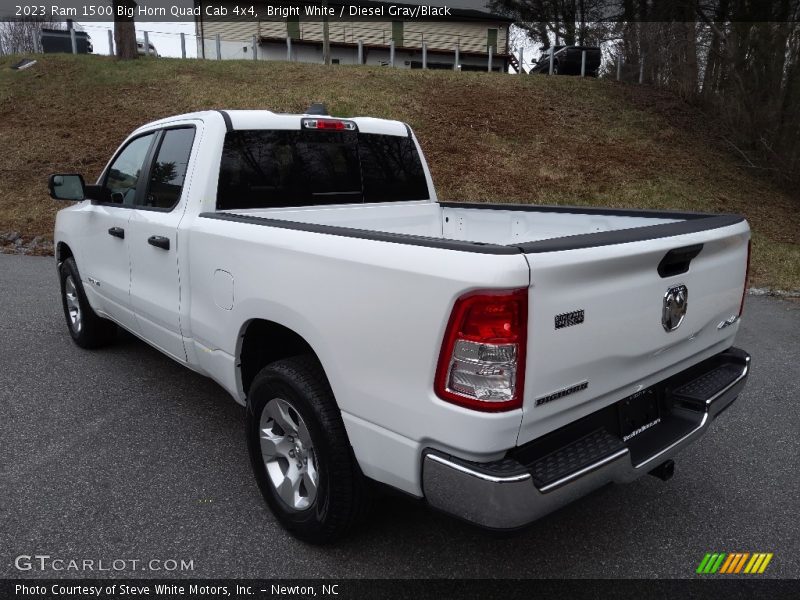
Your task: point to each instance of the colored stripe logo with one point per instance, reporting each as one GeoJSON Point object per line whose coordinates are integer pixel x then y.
{"type": "Point", "coordinates": [734, 563]}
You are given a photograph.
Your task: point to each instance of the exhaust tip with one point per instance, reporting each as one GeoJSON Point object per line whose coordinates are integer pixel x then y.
{"type": "Point", "coordinates": [664, 471]}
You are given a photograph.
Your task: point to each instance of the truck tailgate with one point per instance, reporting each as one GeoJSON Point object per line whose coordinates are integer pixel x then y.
{"type": "Point", "coordinates": [595, 327]}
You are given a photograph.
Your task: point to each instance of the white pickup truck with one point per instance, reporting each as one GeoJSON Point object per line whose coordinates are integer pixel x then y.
{"type": "Point", "coordinates": [496, 360]}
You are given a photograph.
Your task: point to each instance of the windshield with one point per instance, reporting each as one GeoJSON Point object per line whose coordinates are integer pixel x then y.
{"type": "Point", "coordinates": [286, 168]}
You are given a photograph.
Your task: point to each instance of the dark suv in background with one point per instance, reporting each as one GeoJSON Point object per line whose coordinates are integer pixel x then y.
{"type": "Point", "coordinates": [567, 60]}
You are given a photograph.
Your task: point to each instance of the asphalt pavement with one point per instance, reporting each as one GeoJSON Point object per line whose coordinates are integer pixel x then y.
{"type": "Point", "coordinates": [122, 454]}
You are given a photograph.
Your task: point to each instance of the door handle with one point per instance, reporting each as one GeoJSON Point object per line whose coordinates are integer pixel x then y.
{"type": "Point", "coordinates": [159, 241]}
{"type": "Point", "coordinates": [117, 232]}
{"type": "Point", "coordinates": [676, 261]}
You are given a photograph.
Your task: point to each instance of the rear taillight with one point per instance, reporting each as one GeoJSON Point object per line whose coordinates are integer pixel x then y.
{"type": "Point", "coordinates": [746, 278]}
{"type": "Point", "coordinates": [482, 362]}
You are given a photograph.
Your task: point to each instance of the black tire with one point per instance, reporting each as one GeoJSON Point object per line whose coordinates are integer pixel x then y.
{"type": "Point", "coordinates": [88, 330]}
{"type": "Point", "coordinates": [342, 496]}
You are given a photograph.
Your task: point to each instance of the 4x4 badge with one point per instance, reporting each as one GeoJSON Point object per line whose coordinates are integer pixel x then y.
{"type": "Point", "coordinates": [676, 299]}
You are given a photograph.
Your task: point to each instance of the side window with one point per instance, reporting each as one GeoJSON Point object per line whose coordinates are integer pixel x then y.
{"type": "Point", "coordinates": [123, 174]}
{"type": "Point", "coordinates": [169, 168]}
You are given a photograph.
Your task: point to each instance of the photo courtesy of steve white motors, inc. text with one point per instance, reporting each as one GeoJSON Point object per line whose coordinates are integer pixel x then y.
{"type": "Point", "coordinates": [113, 590]}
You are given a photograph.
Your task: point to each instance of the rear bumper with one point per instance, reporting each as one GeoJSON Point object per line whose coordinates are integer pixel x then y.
{"type": "Point", "coordinates": [544, 475]}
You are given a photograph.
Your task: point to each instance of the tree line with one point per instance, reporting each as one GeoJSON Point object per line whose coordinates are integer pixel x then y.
{"type": "Point", "coordinates": [736, 58]}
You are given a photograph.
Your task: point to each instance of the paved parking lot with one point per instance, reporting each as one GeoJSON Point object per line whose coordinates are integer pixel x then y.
{"type": "Point", "coordinates": [123, 454]}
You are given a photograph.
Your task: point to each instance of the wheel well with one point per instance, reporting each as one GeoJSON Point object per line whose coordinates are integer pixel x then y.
{"type": "Point", "coordinates": [264, 342]}
{"type": "Point", "coordinates": [63, 252]}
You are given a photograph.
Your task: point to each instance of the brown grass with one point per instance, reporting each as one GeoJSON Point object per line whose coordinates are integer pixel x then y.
{"type": "Point", "coordinates": [537, 139]}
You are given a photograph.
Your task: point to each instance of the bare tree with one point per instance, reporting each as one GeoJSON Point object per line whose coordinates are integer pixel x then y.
{"type": "Point", "coordinates": [517, 37]}
{"type": "Point", "coordinates": [563, 21]}
{"type": "Point", "coordinates": [125, 29]}
{"type": "Point", "coordinates": [23, 35]}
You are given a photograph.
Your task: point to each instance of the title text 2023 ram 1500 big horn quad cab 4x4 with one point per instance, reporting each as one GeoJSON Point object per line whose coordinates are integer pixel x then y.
{"type": "Point", "coordinates": [496, 360]}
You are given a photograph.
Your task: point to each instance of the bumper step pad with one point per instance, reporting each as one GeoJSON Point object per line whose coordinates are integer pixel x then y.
{"type": "Point", "coordinates": [709, 384]}
{"type": "Point", "coordinates": [572, 458]}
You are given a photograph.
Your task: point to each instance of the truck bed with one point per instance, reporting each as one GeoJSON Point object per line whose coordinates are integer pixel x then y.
{"type": "Point", "coordinates": [485, 228]}
{"type": "Point", "coordinates": [613, 266]}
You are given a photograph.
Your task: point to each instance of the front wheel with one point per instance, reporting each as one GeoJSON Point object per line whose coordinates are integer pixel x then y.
{"type": "Point", "coordinates": [87, 328]}
{"type": "Point", "coordinates": [300, 453]}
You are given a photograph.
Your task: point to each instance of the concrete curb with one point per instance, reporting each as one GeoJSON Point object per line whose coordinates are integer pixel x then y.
{"type": "Point", "coordinates": [776, 293]}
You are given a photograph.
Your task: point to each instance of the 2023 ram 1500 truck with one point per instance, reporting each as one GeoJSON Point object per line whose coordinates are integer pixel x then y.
{"type": "Point", "coordinates": [496, 360]}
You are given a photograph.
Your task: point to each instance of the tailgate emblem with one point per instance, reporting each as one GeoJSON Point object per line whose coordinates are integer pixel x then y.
{"type": "Point", "coordinates": [578, 387]}
{"type": "Point", "coordinates": [675, 302]}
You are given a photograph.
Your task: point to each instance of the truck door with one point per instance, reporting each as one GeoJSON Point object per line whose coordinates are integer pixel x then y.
{"type": "Point", "coordinates": [154, 240]}
{"type": "Point", "coordinates": [106, 271]}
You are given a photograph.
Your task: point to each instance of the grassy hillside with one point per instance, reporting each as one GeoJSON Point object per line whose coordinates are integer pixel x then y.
{"type": "Point", "coordinates": [548, 140]}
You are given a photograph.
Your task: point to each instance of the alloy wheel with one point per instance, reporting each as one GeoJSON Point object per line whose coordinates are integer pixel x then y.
{"type": "Point", "coordinates": [288, 454]}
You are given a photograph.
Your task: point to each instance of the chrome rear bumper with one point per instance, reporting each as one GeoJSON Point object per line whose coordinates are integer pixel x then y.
{"type": "Point", "coordinates": [505, 495]}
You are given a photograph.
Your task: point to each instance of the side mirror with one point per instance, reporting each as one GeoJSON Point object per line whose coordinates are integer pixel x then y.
{"type": "Point", "coordinates": [67, 187]}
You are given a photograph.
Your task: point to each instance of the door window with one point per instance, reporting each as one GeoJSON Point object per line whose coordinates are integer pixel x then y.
{"type": "Point", "coordinates": [123, 174]}
{"type": "Point", "coordinates": [491, 40]}
{"type": "Point", "coordinates": [169, 169]}
{"type": "Point", "coordinates": [397, 33]}
{"type": "Point", "coordinates": [293, 27]}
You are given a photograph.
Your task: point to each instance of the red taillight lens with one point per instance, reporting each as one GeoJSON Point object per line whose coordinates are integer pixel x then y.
{"type": "Point", "coordinates": [746, 278]}
{"type": "Point", "coordinates": [482, 362]}
{"type": "Point", "coordinates": [322, 124]}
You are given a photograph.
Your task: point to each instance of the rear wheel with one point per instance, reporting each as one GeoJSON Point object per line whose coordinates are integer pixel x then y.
{"type": "Point", "coordinates": [300, 453]}
{"type": "Point", "coordinates": [87, 328]}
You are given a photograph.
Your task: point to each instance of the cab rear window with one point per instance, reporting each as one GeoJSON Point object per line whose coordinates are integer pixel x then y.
{"type": "Point", "coordinates": [280, 168]}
